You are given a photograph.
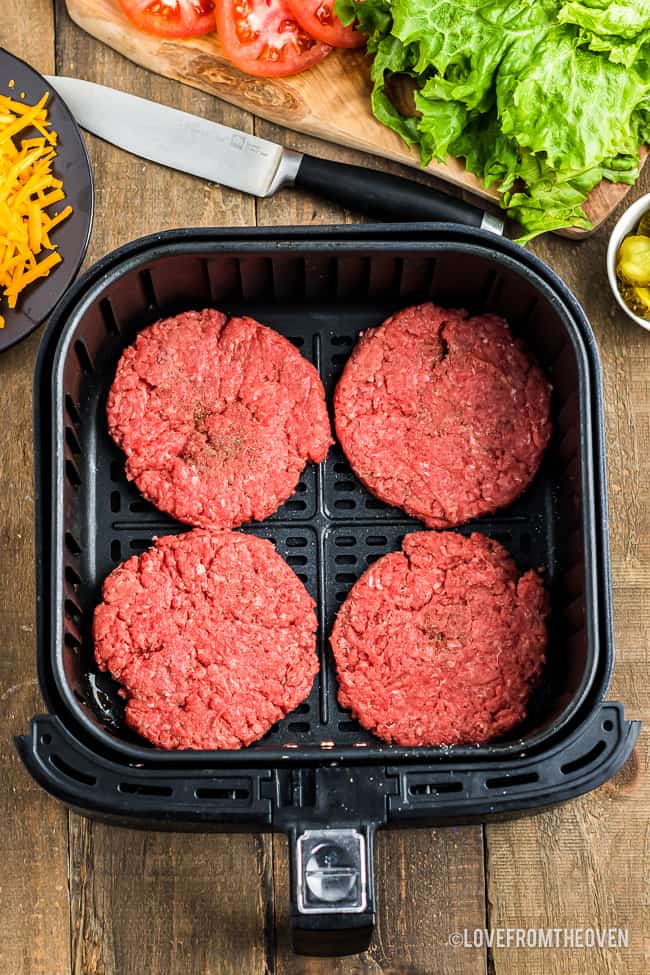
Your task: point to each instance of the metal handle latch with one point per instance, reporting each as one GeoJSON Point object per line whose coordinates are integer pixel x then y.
{"type": "Point", "coordinates": [331, 868]}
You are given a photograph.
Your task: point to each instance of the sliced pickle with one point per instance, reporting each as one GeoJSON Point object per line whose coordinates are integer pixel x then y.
{"type": "Point", "coordinates": [633, 263]}
{"type": "Point", "coordinates": [644, 225]}
{"type": "Point", "coordinates": [637, 299]}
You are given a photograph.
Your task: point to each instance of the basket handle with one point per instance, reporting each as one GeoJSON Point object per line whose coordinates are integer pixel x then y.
{"type": "Point", "coordinates": [332, 890]}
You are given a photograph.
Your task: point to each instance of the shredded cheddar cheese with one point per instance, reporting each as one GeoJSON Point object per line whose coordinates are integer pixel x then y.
{"type": "Point", "coordinates": [27, 188]}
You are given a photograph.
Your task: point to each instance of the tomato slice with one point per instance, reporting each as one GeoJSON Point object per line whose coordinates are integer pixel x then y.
{"type": "Point", "coordinates": [171, 18]}
{"type": "Point", "coordinates": [262, 37]}
{"type": "Point", "coordinates": [317, 17]}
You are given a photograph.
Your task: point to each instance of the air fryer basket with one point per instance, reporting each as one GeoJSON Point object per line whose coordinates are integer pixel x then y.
{"type": "Point", "coordinates": [317, 774]}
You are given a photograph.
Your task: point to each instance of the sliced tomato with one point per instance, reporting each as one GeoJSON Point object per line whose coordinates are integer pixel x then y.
{"type": "Point", "coordinates": [171, 18]}
{"type": "Point", "coordinates": [262, 37]}
{"type": "Point", "coordinates": [317, 17]}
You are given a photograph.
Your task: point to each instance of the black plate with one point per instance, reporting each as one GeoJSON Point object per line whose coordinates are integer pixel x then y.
{"type": "Point", "coordinates": [73, 167]}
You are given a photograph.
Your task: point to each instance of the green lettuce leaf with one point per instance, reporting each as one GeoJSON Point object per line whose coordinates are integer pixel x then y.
{"type": "Point", "coordinates": [541, 98]}
{"type": "Point", "coordinates": [620, 29]}
{"type": "Point", "coordinates": [568, 103]}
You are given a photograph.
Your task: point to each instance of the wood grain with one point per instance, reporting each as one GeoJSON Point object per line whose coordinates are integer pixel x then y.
{"type": "Point", "coordinates": [34, 920]}
{"type": "Point", "coordinates": [429, 882]}
{"type": "Point", "coordinates": [585, 864]}
{"type": "Point", "coordinates": [167, 902]}
{"type": "Point", "coordinates": [122, 901]}
{"type": "Point", "coordinates": [330, 101]}
{"type": "Point", "coordinates": [429, 885]}
{"type": "Point", "coordinates": [159, 903]}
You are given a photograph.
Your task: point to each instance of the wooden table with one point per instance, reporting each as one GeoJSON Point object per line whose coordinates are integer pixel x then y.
{"type": "Point", "coordinates": [79, 897]}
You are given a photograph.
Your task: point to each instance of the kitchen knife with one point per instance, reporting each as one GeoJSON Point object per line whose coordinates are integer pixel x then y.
{"type": "Point", "coordinates": [250, 164]}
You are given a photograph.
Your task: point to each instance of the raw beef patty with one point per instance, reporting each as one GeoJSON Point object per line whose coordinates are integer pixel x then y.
{"type": "Point", "coordinates": [441, 643]}
{"type": "Point", "coordinates": [212, 636]}
{"type": "Point", "coordinates": [442, 415]}
{"type": "Point", "coordinates": [217, 417]}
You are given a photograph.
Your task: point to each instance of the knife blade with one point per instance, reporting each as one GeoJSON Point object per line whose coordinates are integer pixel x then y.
{"type": "Point", "coordinates": [250, 164]}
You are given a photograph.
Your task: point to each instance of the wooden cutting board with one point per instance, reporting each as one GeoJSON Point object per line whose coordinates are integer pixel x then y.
{"type": "Point", "coordinates": [330, 101]}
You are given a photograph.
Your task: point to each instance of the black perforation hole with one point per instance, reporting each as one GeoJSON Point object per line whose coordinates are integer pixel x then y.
{"type": "Point", "coordinates": [72, 544]}
{"type": "Point", "coordinates": [71, 409]}
{"type": "Point", "coordinates": [376, 540]}
{"type": "Point", "coordinates": [345, 504]}
{"type": "Point", "coordinates": [345, 559]}
{"type": "Point", "coordinates": [342, 340]}
{"type": "Point", "coordinates": [71, 440]}
{"type": "Point", "coordinates": [374, 504]}
{"type": "Point", "coordinates": [140, 544]}
{"type": "Point", "coordinates": [299, 726]}
{"type": "Point", "coordinates": [296, 560]}
{"type": "Point", "coordinates": [296, 504]}
{"type": "Point", "coordinates": [116, 501]}
{"type": "Point", "coordinates": [296, 541]}
{"type": "Point", "coordinates": [71, 641]}
{"type": "Point", "coordinates": [140, 789]}
{"type": "Point", "coordinates": [206, 792]}
{"type": "Point", "coordinates": [341, 467]}
{"type": "Point", "coordinates": [72, 578]}
{"type": "Point", "coordinates": [72, 474]}
{"type": "Point", "coordinates": [117, 470]}
{"type": "Point", "coordinates": [139, 506]}
{"type": "Point", "coordinates": [82, 356]}
{"type": "Point", "coordinates": [345, 541]}
{"type": "Point", "coordinates": [346, 577]}
{"type": "Point", "coordinates": [116, 550]}
{"type": "Point", "coordinates": [72, 611]}
{"type": "Point", "coordinates": [348, 726]}
{"type": "Point", "coordinates": [584, 760]}
{"type": "Point", "coordinates": [339, 358]}
{"type": "Point", "coordinates": [110, 322]}
{"type": "Point", "coordinates": [508, 781]}
{"type": "Point", "coordinates": [434, 788]}
{"type": "Point", "coordinates": [72, 773]}
{"type": "Point", "coordinates": [146, 281]}
{"type": "Point", "coordinates": [297, 340]}
{"type": "Point", "coordinates": [301, 487]}
{"type": "Point", "coordinates": [344, 486]}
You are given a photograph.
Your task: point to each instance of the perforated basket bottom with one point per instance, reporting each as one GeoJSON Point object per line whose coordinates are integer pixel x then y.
{"type": "Point", "coordinates": [329, 532]}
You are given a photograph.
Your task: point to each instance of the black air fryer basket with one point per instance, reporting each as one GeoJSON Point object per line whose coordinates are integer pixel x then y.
{"type": "Point", "coordinates": [317, 775]}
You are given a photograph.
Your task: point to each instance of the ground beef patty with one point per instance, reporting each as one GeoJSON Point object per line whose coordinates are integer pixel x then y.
{"type": "Point", "coordinates": [441, 643]}
{"type": "Point", "coordinates": [217, 417]}
{"type": "Point", "coordinates": [212, 636]}
{"type": "Point", "coordinates": [443, 415]}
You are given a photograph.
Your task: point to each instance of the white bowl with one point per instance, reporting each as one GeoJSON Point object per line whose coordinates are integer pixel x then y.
{"type": "Point", "coordinates": [625, 226]}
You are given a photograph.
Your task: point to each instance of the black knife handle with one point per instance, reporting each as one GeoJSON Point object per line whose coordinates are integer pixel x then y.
{"type": "Point", "coordinates": [382, 195]}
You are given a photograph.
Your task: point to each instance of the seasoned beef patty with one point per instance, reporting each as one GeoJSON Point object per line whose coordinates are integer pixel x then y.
{"type": "Point", "coordinates": [442, 415]}
{"type": "Point", "coordinates": [441, 643]}
{"type": "Point", "coordinates": [217, 417]}
{"type": "Point", "coordinates": [212, 636]}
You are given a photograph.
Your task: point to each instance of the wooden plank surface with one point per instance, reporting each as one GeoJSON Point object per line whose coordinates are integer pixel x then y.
{"type": "Point", "coordinates": [34, 917]}
{"type": "Point", "coordinates": [428, 881]}
{"type": "Point", "coordinates": [116, 902]}
{"type": "Point", "coordinates": [159, 902]}
{"type": "Point", "coordinates": [330, 101]}
{"type": "Point", "coordinates": [586, 864]}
